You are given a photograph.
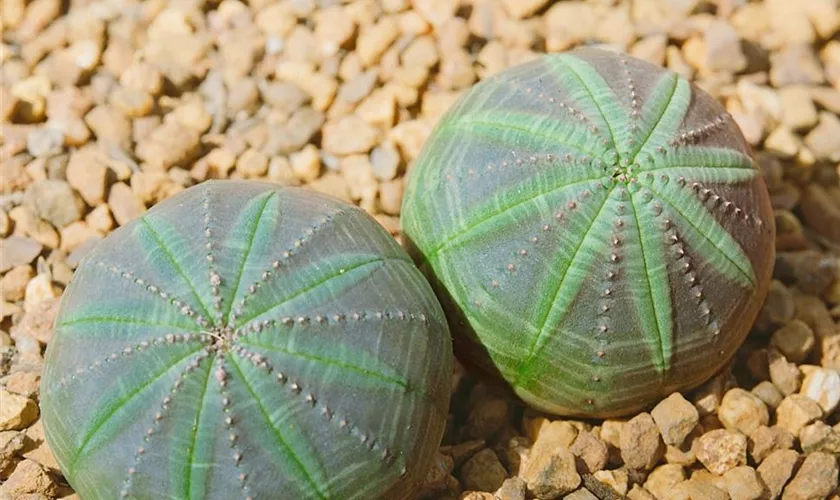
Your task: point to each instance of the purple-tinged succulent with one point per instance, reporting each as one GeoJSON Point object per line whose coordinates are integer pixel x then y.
{"type": "Point", "coordinates": [596, 229]}
{"type": "Point", "coordinates": [240, 341]}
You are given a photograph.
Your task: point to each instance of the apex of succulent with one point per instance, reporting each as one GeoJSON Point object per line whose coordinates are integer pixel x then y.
{"type": "Point", "coordinates": [241, 340]}
{"type": "Point", "coordinates": [596, 228]}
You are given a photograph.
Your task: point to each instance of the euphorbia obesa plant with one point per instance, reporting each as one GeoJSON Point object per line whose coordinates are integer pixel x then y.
{"type": "Point", "coordinates": [241, 340]}
{"type": "Point", "coordinates": [596, 228]}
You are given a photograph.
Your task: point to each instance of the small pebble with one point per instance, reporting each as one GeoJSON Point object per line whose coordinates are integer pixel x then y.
{"type": "Point", "coordinates": [375, 40]}
{"type": "Point", "coordinates": [253, 164]}
{"type": "Point", "coordinates": [723, 48]}
{"type": "Point", "coordinates": [590, 451]}
{"type": "Point", "coordinates": [483, 472]}
{"type": "Point", "coordinates": [550, 475]}
{"type": "Point", "coordinates": [13, 283]}
{"type": "Point", "coordinates": [816, 478]}
{"type": "Point", "coordinates": [641, 443]}
{"type": "Point", "coordinates": [820, 437]}
{"type": "Point", "coordinates": [796, 411]}
{"type": "Point", "coordinates": [24, 384]}
{"type": "Point", "coordinates": [765, 440]}
{"type": "Point", "coordinates": [743, 483]}
{"type": "Point", "coordinates": [390, 196]}
{"type": "Point", "coordinates": [798, 110]}
{"type": "Point", "coordinates": [548, 434]}
{"type": "Point", "coordinates": [742, 411]}
{"type": "Point", "coordinates": [778, 308]}
{"type": "Point", "coordinates": [513, 488]}
{"type": "Point", "coordinates": [306, 164]}
{"type": "Point", "coordinates": [16, 412]}
{"type": "Point", "coordinates": [768, 393]}
{"type": "Point", "coordinates": [45, 142]}
{"type": "Point", "coordinates": [87, 173]}
{"type": "Point", "coordinates": [675, 417]}
{"type": "Point", "coordinates": [348, 135]}
{"type": "Point", "coordinates": [823, 386]}
{"type": "Point", "coordinates": [663, 479]}
{"type": "Point", "coordinates": [125, 205]}
{"type": "Point", "coordinates": [795, 64]}
{"type": "Point", "coordinates": [385, 160]}
{"type": "Point", "coordinates": [822, 140]}
{"type": "Point", "coordinates": [16, 251]}
{"type": "Point", "coordinates": [29, 480]}
{"type": "Point", "coordinates": [794, 340]}
{"type": "Point", "coordinates": [55, 201]}
{"type": "Point", "coordinates": [703, 490]}
{"type": "Point", "coordinates": [28, 223]}
{"type": "Point", "coordinates": [784, 374]}
{"type": "Point", "coordinates": [721, 450]}
{"type": "Point", "coordinates": [440, 470]}
{"type": "Point", "coordinates": [581, 494]}
{"type": "Point", "coordinates": [776, 470]}
{"type": "Point", "coordinates": [617, 480]}
{"type": "Point", "coordinates": [707, 397]}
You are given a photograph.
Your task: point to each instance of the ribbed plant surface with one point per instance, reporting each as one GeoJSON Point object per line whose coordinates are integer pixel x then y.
{"type": "Point", "coordinates": [243, 341]}
{"type": "Point", "coordinates": [596, 228]}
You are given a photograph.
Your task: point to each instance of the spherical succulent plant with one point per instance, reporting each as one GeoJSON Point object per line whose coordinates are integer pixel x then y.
{"type": "Point", "coordinates": [596, 229]}
{"type": "Point", "coordinates": [241, 340]}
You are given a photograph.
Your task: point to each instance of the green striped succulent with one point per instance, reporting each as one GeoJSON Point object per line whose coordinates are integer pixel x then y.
{"type": "Point", "coordinates": [596, 229]}
{"type": "Point", "coordinates": [242, 341]}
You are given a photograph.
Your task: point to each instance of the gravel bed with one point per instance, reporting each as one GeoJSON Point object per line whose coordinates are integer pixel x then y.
{"type": "Point", "coordinates": [100, 119]}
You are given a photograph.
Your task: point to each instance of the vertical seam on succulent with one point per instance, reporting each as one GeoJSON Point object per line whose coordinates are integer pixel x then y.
{"type": "Point", "coordinates": [532, 159]}
{"type": "Point", "coordinates": [194, 437]}
{"type": "Point", "coordinates": [368, 441]}
{"type": "Point", "coordinates": [705, 167]}
{"type": "Point", "coordinates": [634, 101]}
{"type": "Point", "coordinates": [594, 101]}
{"type": "Point", "coordinates": [705, 194]}
{"type": "Point", "coordinates": [159, 416]}
{"type": "Point", "coordinates": [330, 362]}
{"type": "Point", "coordinates": [229, 422]}
{"type": "Point", "coordinates": [160, 243]}
{"type": "Point", "coordinates": [691, 272]}
{"type": "Point", "coordinates": [466, 120]}
{"type": "Point", "coordinates": [293, 250]}
{"type": "Point", "coordinates": [251, 237]}
{"type": "Point", "coordinates": [104, 420]}
{"type": "Point", "coordinates": [676, 209]}
{"type": "Point", "coordinates": [603, 328]}
{"type": "Point", "coordinates": [662, 362]}
{"type": "Point", "coordinates": [701, 132]}
{"type": "Point", "coordinates": [128, 351]}
{"type": "Point", "coordinates": [215, 278]}
{"type": "Point", "coordinates": [331, 319]}
{"type": "Point", "coordinates": [653, 128]}
{"type": "Point", "coordinates": [277, 433]}
{"type": "Point", "coordinates": [564, 105]}
{"type": "Point", "coordinates": [432, 254]}
{"type": "Point", "coordinates": [182, 307]}
{"type": "Point", "coordinates": [341, 272]}
{"type": "Point", "coordinates": [243, 334]}
{"type": "Point", "coordinates": [84, 320]}
{"type": "Point", "coordinates": [701, 155]}
{"type": "Point", "coordinates": [532, 350]}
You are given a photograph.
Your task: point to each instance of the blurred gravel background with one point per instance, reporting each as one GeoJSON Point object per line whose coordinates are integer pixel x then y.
{"type": "Point", "coordinates": [109, 106]}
